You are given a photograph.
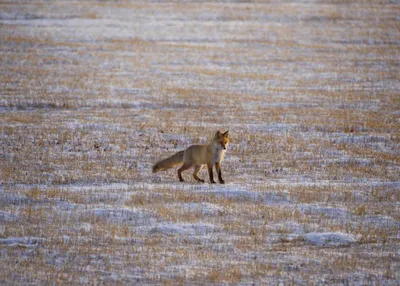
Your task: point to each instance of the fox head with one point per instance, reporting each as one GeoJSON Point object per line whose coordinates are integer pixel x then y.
{"type": "Point", "coordinates": [222, 139]}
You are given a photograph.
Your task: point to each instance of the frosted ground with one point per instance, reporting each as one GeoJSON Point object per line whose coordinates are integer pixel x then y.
{"type": "Point", "coordinates": [93, 93]}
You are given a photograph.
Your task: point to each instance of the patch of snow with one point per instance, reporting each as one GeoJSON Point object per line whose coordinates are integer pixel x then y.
{"type": "Point", "coordinates": [234, 192]}
{"type": "Point", "coordinates": [330, 238]}
{"type": "Point", "coordinates": [20, 241]}
{"type": "Point", "coordinates": [332, 212]}
{"type": "Point", "coordinates": [381, 221]}
{"type": "Point", "coordinates": [204, 208]}
{"type": "Point", "coordinates": [271, 198]}
{"type": "Point", "coordinates": [14, 199]}
{"type": "Point", "coordinates": [308, 182]}
{"type": "Point", "coordinates": [6, 216]}
{"type": "Point", "coordinates": [121, 215]}
{"type": "Point", "coordinates": [268, 128]}
{"type": "Point", "coordinates": [183, 228]}
{"type": "Point", "coordinates": [85, 226]}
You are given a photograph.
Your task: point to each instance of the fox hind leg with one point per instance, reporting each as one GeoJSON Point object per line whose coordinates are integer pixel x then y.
{"type": "Point", "coordinates": [181, 169]}
{"type": "Point", "coordinates": [197, 169]}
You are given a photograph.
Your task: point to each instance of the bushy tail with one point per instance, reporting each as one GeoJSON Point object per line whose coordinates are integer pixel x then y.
{"type": "Point", "coordinates": [169, 162]}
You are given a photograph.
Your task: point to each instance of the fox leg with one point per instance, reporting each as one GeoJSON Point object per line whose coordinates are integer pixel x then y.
{"type": "Point", "coordinates": [218, 167]}
{"type": "Point", "coordinates": [210, 173]}
{"type": "Point", "coordinates": [181, 169]}
{"type": "Point", "coordinates": [197, 169]}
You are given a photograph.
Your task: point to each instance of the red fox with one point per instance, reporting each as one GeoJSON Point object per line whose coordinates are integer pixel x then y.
{"type": "Point", "coordinates": [198, 156]}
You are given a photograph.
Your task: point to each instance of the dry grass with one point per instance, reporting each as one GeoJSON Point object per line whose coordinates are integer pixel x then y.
{"type": "Point", "coordinates": [92, 97]}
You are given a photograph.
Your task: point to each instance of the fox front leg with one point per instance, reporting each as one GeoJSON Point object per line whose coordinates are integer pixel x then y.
{"type": "Point", "coordinates": [210, 172]}
{"type": "Point", "coordinates": [218, 167]}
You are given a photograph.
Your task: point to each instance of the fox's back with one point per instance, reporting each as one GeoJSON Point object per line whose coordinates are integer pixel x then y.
{"type": "Point", "coordinates": [196, 154]}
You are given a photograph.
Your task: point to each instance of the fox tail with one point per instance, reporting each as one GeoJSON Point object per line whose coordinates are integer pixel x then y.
{"type": "Point", "coordinates": [170, 162]}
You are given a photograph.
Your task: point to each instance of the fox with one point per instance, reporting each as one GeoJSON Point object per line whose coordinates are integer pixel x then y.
{"type": "Point", "coordinates": [198, 156]}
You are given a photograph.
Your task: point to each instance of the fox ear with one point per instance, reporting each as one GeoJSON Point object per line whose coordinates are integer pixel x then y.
{"type": "Point", "coordinates": [217, 134]}
{"type": "Point", "coordinates": [226, 134]}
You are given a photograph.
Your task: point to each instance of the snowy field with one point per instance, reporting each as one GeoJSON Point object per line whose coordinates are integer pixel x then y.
{"type": "Point", "coordinates": [92, 93]}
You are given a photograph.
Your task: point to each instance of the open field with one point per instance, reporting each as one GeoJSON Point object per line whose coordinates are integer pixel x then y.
{"type": "Point", "coordinates": [93, 93]}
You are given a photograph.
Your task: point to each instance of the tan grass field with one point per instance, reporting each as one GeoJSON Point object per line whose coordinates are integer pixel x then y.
{"type": "Point", "coordinates": [93, 93]}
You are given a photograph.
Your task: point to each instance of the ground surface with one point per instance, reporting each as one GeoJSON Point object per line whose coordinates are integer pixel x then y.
{"type": "Point", "coordinates": [93, 93]}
